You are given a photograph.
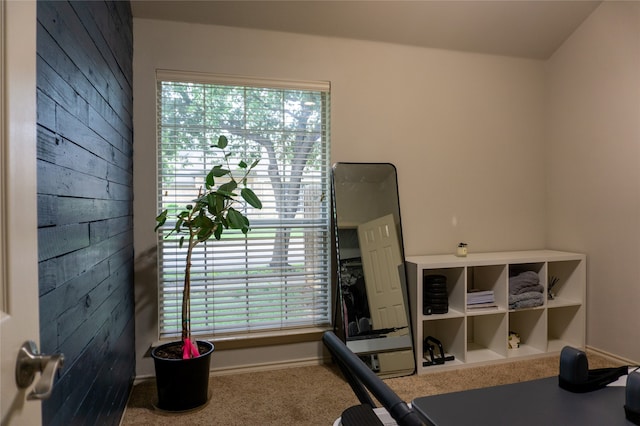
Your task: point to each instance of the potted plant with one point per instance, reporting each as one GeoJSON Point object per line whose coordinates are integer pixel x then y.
{"type": "Point", "coordinates": [182, 367]}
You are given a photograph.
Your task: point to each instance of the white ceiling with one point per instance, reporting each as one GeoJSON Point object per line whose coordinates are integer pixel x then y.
{"type": "Point", "coordinates": [531, 29]}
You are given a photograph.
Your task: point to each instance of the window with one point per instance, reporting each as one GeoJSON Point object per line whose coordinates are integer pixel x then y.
{"type": "Point", "coordinates": [277, 276]}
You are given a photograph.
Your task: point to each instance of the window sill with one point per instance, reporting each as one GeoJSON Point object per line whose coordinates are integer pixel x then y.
{"type": "Point", "coordinates": [273, 338]}
{"type": "Point", "coordinates": [260, 339]}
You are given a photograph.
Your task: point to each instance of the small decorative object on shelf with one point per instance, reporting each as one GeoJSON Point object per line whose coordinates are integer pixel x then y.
{"type": "Point", "coordinates": [514, 340]}
{"type": "Point", "coordinates": [552, 283]}
{"type": "Point", "coordinates": [461, 251]}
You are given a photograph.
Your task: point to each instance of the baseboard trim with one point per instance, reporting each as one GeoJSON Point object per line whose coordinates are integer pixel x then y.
{"type": "Point", "coordinates": [259, 367]}
{"type": "Point", "coordinates": [610, 356]}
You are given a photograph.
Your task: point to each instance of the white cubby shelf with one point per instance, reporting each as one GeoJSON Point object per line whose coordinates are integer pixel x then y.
{"type": "Point", "coordinates": [480, 336]}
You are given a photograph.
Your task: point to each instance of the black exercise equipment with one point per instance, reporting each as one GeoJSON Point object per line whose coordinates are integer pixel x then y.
{"type": "Point", "coordinates": [362, 380]}
{"type": "Point", "coordinates": [575, 375]}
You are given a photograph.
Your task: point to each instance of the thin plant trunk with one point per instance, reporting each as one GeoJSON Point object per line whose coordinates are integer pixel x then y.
{"type": "Point", "coordinates": [186, 291]}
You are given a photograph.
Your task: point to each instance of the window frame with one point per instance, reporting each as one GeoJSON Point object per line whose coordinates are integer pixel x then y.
{"type": "Point", "coordinates": [285, 331]}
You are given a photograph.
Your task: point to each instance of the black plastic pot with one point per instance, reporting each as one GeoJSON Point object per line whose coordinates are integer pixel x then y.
{"type": "Point", "coordinates": [183, 384]}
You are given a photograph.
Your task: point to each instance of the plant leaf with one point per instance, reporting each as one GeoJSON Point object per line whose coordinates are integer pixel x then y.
{"type": "Point", "coordinates": [204, 234]}
{"type": "Point", "coordinates": [210, 180]}
{"type": "Point", "coordinates": [235, 218]}
{"type": "Point", "coordinates": [219, 207]}
{"type": "Point", "coordinates": [224, 222]}
{"type": "Point", "coordinates": [217, 232]}
{"type": "Point", "coordinates": [203, 222]}
{"type": "Point", "coordinates": [245, 228]}
{"type": "Point", "coordinates": [211, 203]}
{"type": "Point", "coordinates": [179, 223]}
{"type": "Point", "coordinates": [222, 142]}
{"type": "Point", "coordinates": [228, 188]}
{"type": "Point", "coordinates": [218, 171]}
{"type": "Point", "coordinates": [161, 219]}
{"type": "Point", "coordinates": [250, 197]}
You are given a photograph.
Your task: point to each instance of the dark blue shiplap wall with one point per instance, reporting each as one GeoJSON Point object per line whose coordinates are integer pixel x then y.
{"type": "Point", "coordinates": [85, 174]}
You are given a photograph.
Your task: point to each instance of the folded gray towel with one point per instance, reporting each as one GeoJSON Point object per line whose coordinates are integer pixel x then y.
{"type": "Point", "coordinates": [526, 300]}
{"type": "Point", "coordinates": [538, 288]}
{"type": "Point", "coordinates": [513, 298]}
{"type": "Point", "coordinates": [523, 280]}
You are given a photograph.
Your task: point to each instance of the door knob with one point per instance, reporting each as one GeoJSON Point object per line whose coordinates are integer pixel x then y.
{"type": "Point", "coordinates": [31, 362]}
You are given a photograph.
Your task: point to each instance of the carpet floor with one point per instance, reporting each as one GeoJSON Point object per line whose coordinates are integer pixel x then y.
{"type": "Point", "coordinates": [317, 395]}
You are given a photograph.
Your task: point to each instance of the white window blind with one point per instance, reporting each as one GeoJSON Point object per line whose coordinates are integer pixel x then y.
{"type": "Point", "coordinates": [277, 276]}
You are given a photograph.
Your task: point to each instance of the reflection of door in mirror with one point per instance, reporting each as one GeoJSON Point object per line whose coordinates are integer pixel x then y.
{"type": "Point", "coordinates": [372, 292]}
{"type": "Point", "coordinates": [382, 265]}
{"type": "Point", "coordinates": [380, 252]}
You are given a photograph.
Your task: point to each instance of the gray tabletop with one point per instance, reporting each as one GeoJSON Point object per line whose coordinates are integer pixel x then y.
{"type": "Point", "coordinates": [538, 402]}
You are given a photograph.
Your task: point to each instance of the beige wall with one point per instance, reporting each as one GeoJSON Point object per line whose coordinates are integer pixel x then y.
{"type": "Point", "coordinates": [467, 133]}
{"type": "Point", "coordinates": [593, 168]}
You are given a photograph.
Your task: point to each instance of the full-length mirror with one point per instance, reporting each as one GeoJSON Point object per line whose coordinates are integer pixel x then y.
{"type": "Point", "coordinates": [372, 303]}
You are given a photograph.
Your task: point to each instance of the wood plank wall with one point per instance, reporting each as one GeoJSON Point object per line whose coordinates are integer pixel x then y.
{"type": "Point", "coordinates": [85, 210]}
